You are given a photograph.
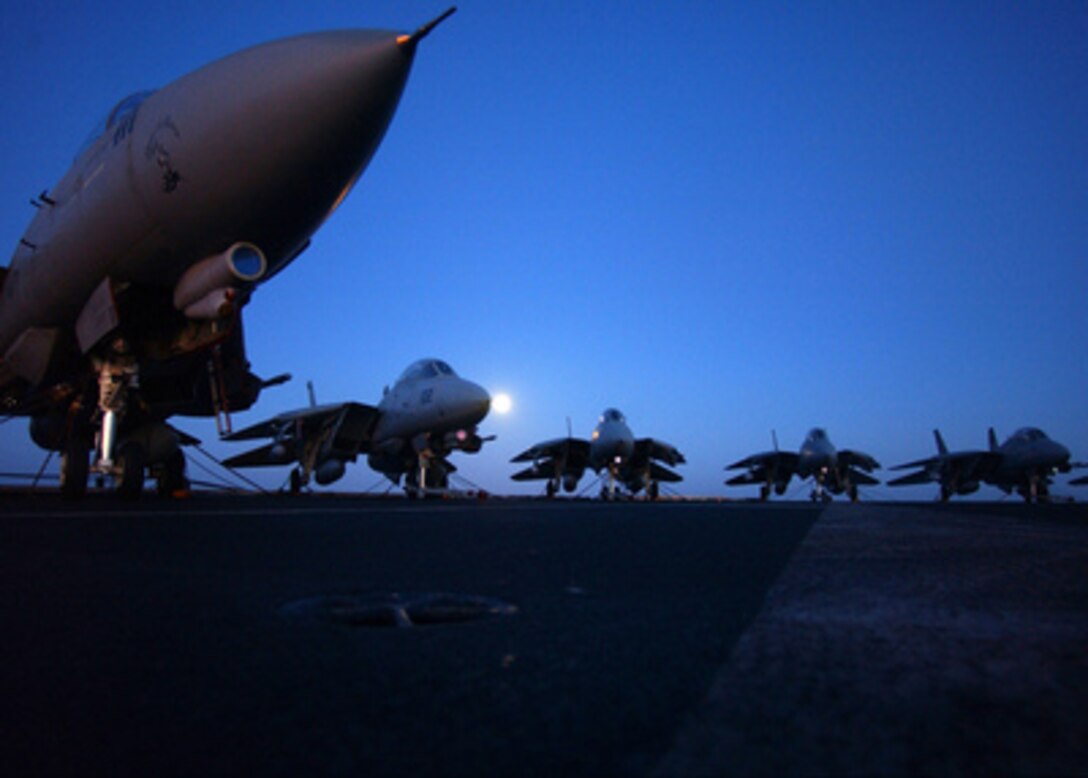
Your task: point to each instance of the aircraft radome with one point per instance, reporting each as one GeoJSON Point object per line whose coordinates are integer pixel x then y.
{"type": "Point", "coordinates": [833, 471]}
{"type": "Point", "coordinates": [613, 448]}
{"type": "Point", "coordinates": [121, 305]}
{"type": "Point", "coordinates": [429, 413]}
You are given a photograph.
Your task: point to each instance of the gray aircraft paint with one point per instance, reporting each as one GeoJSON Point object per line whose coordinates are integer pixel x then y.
{"type": "Point", "coordinates": [833, 471]}
{"type": "Point", "coordinates": [612, 448]}
{"type": "Point", "coordinates": [138, 261]}
{"type": "Point", "coordinates": [428, 413]}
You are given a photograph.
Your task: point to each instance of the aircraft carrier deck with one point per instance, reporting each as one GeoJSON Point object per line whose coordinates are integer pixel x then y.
{"type": "Point", "coordinates": [278, 635]}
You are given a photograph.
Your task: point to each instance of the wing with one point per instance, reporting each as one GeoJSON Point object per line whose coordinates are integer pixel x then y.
{"type": "Point", "coordinates": [291, 420]}
{"type": "Point", "coordinates": [574, 450]}
{"type": "Point", "coordinates": [338, 431]}
{"type": "Point", "coordinates": [648, 449]}
{"type": "Point", "coordinates": [916, 463]}
{"type": "Point", "coordinates": [782, 462]}
{"type": "Point", "coordinates": [857, 459]}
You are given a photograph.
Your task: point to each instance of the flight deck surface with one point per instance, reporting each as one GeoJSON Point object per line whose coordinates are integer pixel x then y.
{"type": "Point", "coordinates": [333, 634]}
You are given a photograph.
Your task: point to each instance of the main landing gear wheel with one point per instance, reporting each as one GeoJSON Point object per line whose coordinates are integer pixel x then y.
{"type": "Point", "coordinates": [131, 463]}
{"type": "Point", "coordinates": [551, 489]}
{"type": "Point", "coordinates": [74, 468]}
{"type": "Point", "coordinates": [171, 475]}
{"type": "Point", "coordinates": [653, 490]}
{"type": "Point", "coordinates": [296, 481]}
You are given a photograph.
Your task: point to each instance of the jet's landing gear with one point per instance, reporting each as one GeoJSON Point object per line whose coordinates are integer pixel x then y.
{"type": "Point", "coordinates": [551, 488]}
{"type": "Point", "coordinates": [116, 375]}
{"type": "Point", "coordinates": [295, 484]}
{"type": "Point", "coordinates": [819, 494]}
{"type": "Point", "coordinates": [170, 476]}
{"type": "Point", "coordinates": [764, 492]}
{"type": "Point", "coordinates": [429, 480]}
{"type": "Point", "coordinates": [74, 468]}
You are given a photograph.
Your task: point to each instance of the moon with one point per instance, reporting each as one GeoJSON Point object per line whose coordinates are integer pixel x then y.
{"type": "Point", "coordinates": [501, 403]}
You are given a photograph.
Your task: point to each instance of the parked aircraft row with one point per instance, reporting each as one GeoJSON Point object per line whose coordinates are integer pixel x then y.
{"type": "Point", "coordinates": [1024, 463]}
{"type": "Point", "coordinates": [122, 304]}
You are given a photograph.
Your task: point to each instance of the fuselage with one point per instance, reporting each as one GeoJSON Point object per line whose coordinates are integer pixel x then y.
{"type": "Point", "coordinates": [817, 456]}
{"type": "Point", "coordinates": [259, 147]}
{"type": "Point", "coordinates": [611, 443]}
{"type": "Point", "coordinates": [430, 399]}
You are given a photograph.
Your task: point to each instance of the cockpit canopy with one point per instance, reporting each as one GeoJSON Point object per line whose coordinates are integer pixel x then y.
{"type": "Point", "coordinates": [122, 115]}
{"type": "Point", "coordinates": [425, 368]}
{"type": "Point", "coordinates": [1029, 434]}
{"type": "Point", "coordinates": [818, 433]}
{"type": "Point", "coordinates": [611, 414]}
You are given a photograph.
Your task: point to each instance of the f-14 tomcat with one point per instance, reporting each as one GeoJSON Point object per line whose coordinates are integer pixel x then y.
{"type": "Point", "coordinates": [121, 305]}
{"type": "Point", "coordinates": [832, 470]}
{"type": "Point", "coordinates": [613, 448]}
{"type": "Point", "coordinates": [429, 412]}
{"type": "Point", "coordinates": [1025, 462]}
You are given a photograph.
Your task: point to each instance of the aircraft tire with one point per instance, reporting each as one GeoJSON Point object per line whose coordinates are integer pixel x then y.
{"type": "Point", "coordinates": [171, 477]}
{"type": "Point", "coordinates": [550, 489]}
{"type": "Point", "coordinates": [764, 492]}
{"type": "Point", "coordinates": [296, 481]}
{"type": "Point", "coordinates": [653, 490]}
{"type": "Point", "coordinates": [132, 460]}
{"type": "Point", "coordinates": [74, 468]}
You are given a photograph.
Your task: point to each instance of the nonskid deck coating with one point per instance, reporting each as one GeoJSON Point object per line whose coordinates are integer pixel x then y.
{"type": "Point", "coordinates": [945, 640]}
{"type": "Point", "coordinates": [934, 639]}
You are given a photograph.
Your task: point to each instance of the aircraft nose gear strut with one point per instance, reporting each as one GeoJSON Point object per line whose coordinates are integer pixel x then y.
{"type": "Point", "coordinates": [116, 374]}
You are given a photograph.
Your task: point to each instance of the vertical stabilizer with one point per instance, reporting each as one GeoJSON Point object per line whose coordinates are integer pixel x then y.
{"type": "Point", "coordinates": [993, 439]}
{"type": "Point", "coordinates": [942, 449]}
{"type": "Point", "coordinates": [310, 389]}
{"type": "Point", "coordinates": [774, 440]}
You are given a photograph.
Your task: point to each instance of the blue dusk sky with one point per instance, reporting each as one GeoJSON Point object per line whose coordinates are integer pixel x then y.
{"type": "Point", "coordinates": [722, 218]}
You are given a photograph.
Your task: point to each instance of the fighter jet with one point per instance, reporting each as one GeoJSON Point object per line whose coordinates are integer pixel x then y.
{"type": "Point", "coordinates": [1028, 459]}
{"type": "Point", "coordinates": [429, 413]}
{"type": "Point", "coordinates": [611, 447]}
{"type": "Point", "coordinates": [957, 472]}
{"type": "Point", "coordinates": [833, 471]}
{"type": "Point", "coordinates": [121, 305]}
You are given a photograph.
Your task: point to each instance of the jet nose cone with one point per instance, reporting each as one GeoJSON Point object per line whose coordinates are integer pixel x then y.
{"type": "Point", "coordinates": [472, 402]}
{"type": "Point", "coordinates": [289, 124]}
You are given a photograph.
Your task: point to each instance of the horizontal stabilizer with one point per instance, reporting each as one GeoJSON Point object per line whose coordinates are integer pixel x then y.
{"type": "Point", "coordinates": [657, 449]}
{"type": "Point", "coordinates": [751, 477]}
{"type": "Point", "coordinates": [261, 457]}
{"type": "Point", "coordinates": [659, 473]}
{"type": "Point", "coordinates": [534, 473]}
{"type": "Point", "coordinates": [860, 478]}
